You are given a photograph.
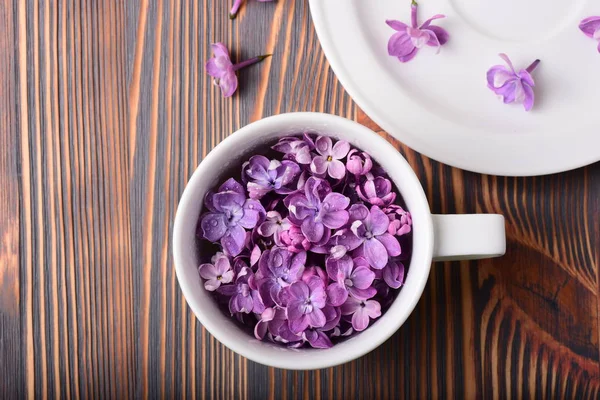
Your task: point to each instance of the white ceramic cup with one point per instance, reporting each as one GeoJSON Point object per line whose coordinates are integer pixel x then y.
{"type": "Point", "coordinates": [435, 238]}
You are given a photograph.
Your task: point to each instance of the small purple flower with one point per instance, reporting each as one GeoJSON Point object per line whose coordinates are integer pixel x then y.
{"type": "Point", "coordinates": [358, 162]}
{"type": "Point", "coordinates": [243, 295]}
{"type": "Point", "coordinates": [274, 321]}
{"type": "Point", "coordinates": [294, 240]}
{"type": "Point", "coordinates": [328, 160]}
{"type": "Point", "coordinates": [376, 190]}
{"type": "Point", "coordinates": [591, 27]}
{"type": "Point", "coordinates": [236, 6]}
{"type": "Point", "coordinates": [273, 226]}
{"type": "Point", "coordinates": [393, 274]}
{"type": "Point", "coordinates": [278, 268]}
{"type": "Point", "coordinates": [362, 312]}
{"type": "Point", "coordinates": [217, 273]}
{"type": "Point", "coordinates": [223, 70]}
{"type": "Point", "coordinates": [265, 176]}
{"type": "Point", "coordinates": [305, 301]}
{"type": "Point", "coordinates": [296, 148]}
{"type": "Point", "coordinates": [406, 43]}
{"type": "Point", "coordinates": [400, 220]}
{"type": "Point", "coordinates": [350, 276]}
{"type": "Point", "coordinates": [314, 271]}
{"type": "Point", "coordinates": [513, 87]}
{"type": "Point", "coordinates": [230, 212]}
{"type": "Point", "coordinates": [317, 337]}
{"type": "Point", "coordinates": [317, 210]}
{"type": "Point", "coordinates": [370, 238]}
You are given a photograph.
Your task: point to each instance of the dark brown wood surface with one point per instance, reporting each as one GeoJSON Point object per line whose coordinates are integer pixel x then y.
{"type": "Point", "coordinates": [105, 112]}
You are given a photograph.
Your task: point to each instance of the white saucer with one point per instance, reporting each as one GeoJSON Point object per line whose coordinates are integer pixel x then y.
{"type": "Point", "coordinates": [440, 104]}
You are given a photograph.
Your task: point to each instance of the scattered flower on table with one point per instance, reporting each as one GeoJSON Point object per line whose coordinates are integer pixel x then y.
{"type": "Point", "coordinates": [591, 27]}
{"type": "Point", "coordinates": [308, 245]}
{"type": "Point", "coordinates": [512, 86]}
{"type": "Point", "coordinates": [223, 70]}
{"type": "Point", "coordinates": [406, 43]}
{"type": "Point", "coordinates": [236, 7]}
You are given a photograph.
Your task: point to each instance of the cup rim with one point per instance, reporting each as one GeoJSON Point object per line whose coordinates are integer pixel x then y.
{"type": "Point", "coordinates": [385, 326]}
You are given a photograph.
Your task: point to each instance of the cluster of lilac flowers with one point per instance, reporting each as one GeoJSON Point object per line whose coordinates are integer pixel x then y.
{"type": "Point", "coordinates": [310, 243]}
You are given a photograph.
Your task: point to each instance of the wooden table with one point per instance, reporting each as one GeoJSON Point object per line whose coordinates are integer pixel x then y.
{"type": "Point", "coordinates": [105, 111]}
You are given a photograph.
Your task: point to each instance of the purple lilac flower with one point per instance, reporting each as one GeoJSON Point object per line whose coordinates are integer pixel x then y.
{"type": "Point", "coordinates": [217, 273]}
{"type": "Point", "coordinates": [314, 271]}
{"type": "Point", "coordinates": [236, 7]}
{"type": "Point", "coordinates": [317, 337]}
{"type": "Point", "coordinates": [273, 226]}
{"type": "Point", "coordinates": [294, 240]}
{"type": "Point", "coordinates": [409, 39]}
{"type": "Point", "coordinates": [591, 27]}
{"type": "Point", "coordinates": [274, 321]}
{"type": "Point", "coordinates": [350, 276]}
{"type": "Point", "coordinates": [244, 295]}
{"type": "Point", "coordinates": [513, 87]}
{"type": "Point", "coordinates": [400, 220]}
{"type": "Point", "coordinates": [297, 149]}
{"type": "Point", "coordinates": [370, 238]}
{"type": "Point", "coordinates": [358, 162]}
{"type": "Point", "coordinates": [266, 175]}
{"type": "Point", "coordinates": [223, 70]}
{"type": "Point", "coordinates": [362, 312]}
{"type": "Point", "coordinates": [393, 274]}
{"type": "Point", "coordinates": [318, 210]}
{"type": "Point", "coordinates": [328, 160]}
{"type": "Point", "coordinates": [376, 190]}
{"type": "Point", "coordinates": [305, 301]}
{"type": "Point", "coordinates": [230, 212]}
{"type": "Point", "coordinates": [278, 268]}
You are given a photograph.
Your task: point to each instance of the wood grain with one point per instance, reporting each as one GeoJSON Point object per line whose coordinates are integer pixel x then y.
{"type": "Point", "coordinates": [105, 112]}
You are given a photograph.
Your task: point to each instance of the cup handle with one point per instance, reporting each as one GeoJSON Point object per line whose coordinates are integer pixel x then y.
{"type": "Point", "coordinates": [468, 237]}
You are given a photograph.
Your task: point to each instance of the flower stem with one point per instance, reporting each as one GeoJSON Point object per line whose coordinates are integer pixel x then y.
{"type": "Point", "coordinates": [533, 66]}
{"type": "Point", "coordinates": [413, 13]}
{"type": "Point", "coordinates": [249, 62]}
{"type": "Point", "coordinates": [234, 10]}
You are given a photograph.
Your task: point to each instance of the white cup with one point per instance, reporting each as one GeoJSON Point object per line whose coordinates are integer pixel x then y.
{"type": "Point", "coordinates": [435, 238]}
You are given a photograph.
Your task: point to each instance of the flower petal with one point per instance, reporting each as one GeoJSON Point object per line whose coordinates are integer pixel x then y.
{"type": "Point", "coordinates": [400, 44]}
{"type": "Point", "coordinates": [441, 34]}
{"type": "Point", "coordinates": [298, 291]}
{"type": "Point", "coordinates": [393, 274]}
{"type": "Point", "coordinates": [319, 165]}
{"type": "Point", "coordinates": [316, 318]}
{"type": "Point", "coordinates": [350, 306]}
{"type": "Point", "coordinates": [212, 284]}
{"type": "Point", "coordinates": [590, 26]}
{"type": "Point", "coordinates": [324, 145]}
{"type": "Point", "coordinates": [529, 97]}
{"type": "Point", "coordinates": [313, 230]}
{"type": "Point", "coordinates": [320, 341]}
{"type": "Point", "coordinates": [362, 294]}
{"type": "Point", "coordinates": [336, 169]}
{"type": "Point", "coordinates": [378, 221]}
{"type": "Point", "coordinates": [219, 50]}
{"type": "Point", "coordinates": [507, 61]}
{"type": "Point", "coordinates": [340, 149]}
{"type": "Point", "coordinates": [391, 244]}
{"type": "Point", "coordinates": [425, 25]}
{"type": "Point", "coordinates": [298, 325]}
{"type": "Point", "coordinates": [360, 320]}
{"type": "Point", "coordinates": [409, 56]}
{"type": "Point", "coordinates": [373, 309]}
{"type": "Point", "coordinates": [498, 75]}
{"type": "Point", "coordinates": [376, 253]}
{"type": "Point", "coordinates": [228, 83]}
{"type": "Point", "coordinates": [362, 277]}
{"type": "Point", "coordinates": [213, 226]}
{"type": "Point", "coordinates": [526, 77]}
{"type": "Point", "coordinates": [233, 241]}
{"type": "Point", "coordinates": [396, 25]}
{"type": "Point", "coordinates": [337, 294]}
{"type": "Point", "coordinates": [335, 219]}
{"type": "Point", "coordinates": [433, 40]}
{"type": "Point", "coordinates": [208, 271]}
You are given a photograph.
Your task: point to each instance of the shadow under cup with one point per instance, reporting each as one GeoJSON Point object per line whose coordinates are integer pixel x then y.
{"type": "Point", "coordinates": [228, 156]}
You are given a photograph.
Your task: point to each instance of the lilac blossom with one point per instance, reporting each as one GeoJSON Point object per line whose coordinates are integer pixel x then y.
{"type": "Point", "coordinates": [273, 226]}
{"type": "Point", "coordinates": [511, 86]}
{"type": "Point", "coordinates": [350, 276]}
{"type": "Point", "coordinates": [358, 162]}
{"type": "Point", "coordinates": [243, 295]}
{"type": "Point", "coordinates": [362, 312]}
{"type": "Point", "coordinates": [278, 268]}
{"type": "Point", "coordinates": [400, 220]}
{"type": "Point", "coordinates": [297, 149]}
{"type": "Point", "coordinates": [230, 212]}
{"type": "Point", "coordinates": [305, 301]}
{"type": "Point", "coordinates": [318, 210]}
{"type": "Point", "coordinates": [294, 240]}
{"type": "Point", "coordinates": [264, 175]}
{"type": "Point", "coordinates": [317, 337]}
{"type": "Point", "coordinates": [376, 190]}
{"type": "Point", "coordinates": [409, 39]}
{"type": "Point", "coordinates": [236, 7]}
{"type": "Point", "coordinates": [371, 239]}
{"type": "Point", "coordinates": [591, 27]}
{"type": "Point", "coordinates": [223, 70]}
{"type": "Point", "coordinates": [328, 160]}
{"type": "Point", "coordinates": [217, 273]}
{"type": "Point", "coordinates": [393, 274]}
